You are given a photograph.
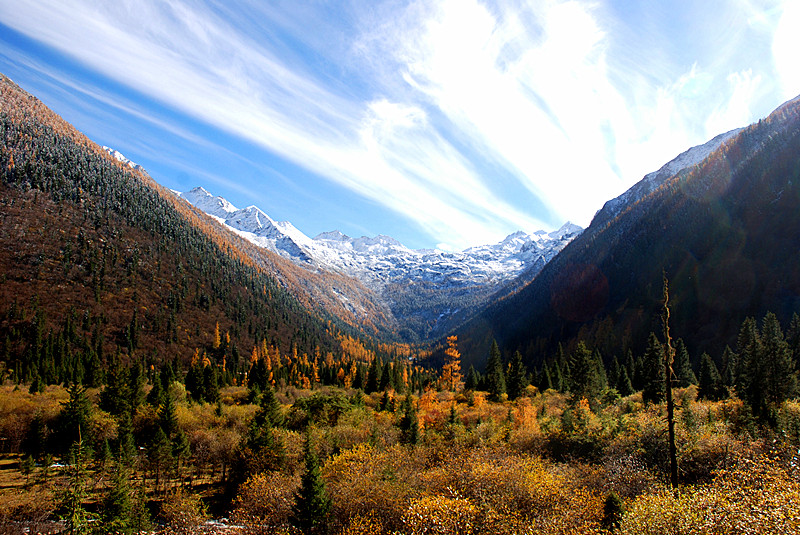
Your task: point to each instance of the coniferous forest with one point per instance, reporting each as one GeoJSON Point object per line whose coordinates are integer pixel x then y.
{"type": "Point", "coordinates": [160, 374]}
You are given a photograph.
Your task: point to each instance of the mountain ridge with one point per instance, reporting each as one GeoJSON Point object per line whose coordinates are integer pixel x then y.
{"type": "Point", "coordinates": [724, 230]}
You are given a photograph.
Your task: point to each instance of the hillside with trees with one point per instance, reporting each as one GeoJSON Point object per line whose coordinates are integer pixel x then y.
{"type": "Point", "coordinates": [725, 232]}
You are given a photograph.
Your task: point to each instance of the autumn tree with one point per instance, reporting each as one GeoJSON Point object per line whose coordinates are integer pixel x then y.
{"type": "Point", "coordinates": [451, 371]}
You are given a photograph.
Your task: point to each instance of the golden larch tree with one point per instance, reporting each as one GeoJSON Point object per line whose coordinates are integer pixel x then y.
{"type": "Point", "coordinates": [451, 371]}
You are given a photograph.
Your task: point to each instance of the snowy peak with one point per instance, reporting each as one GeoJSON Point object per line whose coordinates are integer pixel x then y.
{"type": "Point", "coordinates": [122, 159]}
{"type": "Point", "coordinates": [203, 200]}
{"type": "Point", "coordinates": [333, 235]}
{"type": "Point", "coordinates": [568, 229]}
{"type": "Point", "coordinates": [382, 259]}
{"type": "Point", "coordinates": [652, 181]}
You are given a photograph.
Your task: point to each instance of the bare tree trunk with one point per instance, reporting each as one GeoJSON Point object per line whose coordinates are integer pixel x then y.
{"type": "Point", "coordinates": [669, 357]}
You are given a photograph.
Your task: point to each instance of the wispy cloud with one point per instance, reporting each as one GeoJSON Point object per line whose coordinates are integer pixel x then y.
{"type": "Point", "coordinates": [424, 107]}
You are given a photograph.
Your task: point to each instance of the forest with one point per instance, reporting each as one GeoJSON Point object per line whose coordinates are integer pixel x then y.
{"type": "Point", "coordinates": [574, 447]}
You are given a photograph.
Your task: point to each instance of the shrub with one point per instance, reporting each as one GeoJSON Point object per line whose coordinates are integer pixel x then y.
{"type": "Point", "coordinates": [264, 502]}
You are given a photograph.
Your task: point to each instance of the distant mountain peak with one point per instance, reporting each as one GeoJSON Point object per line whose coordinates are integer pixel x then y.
{"type": "Point", "coordinates": [385, 264]}
{"type": "Point", "coordinates": [117, 155]}
{"type": "Point", "coordinates": [333, 235]}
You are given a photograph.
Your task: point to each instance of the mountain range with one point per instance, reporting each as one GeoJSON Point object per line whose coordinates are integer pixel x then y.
{"type": "Point", "coordinates": [721, 221]}
{"type": "Point", "coordinates": [428, 291]}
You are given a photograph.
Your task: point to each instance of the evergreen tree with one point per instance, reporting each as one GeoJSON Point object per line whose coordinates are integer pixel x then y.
{"type": "Point", "coordinates": [409, 423]}
{"type": "Point", "coordinates": [710, 384]}
{"type": "Point", "coordinates": [517, 377]}
{"type": "Point", "coordinates": [311, 501]}
{"type": "Point", "coordinates": [136, 380]}
{"type": "Point", "coordinates": [729, 364]}
{"type": "Point", "coordinates": [471, 382]}
{"type": "Point", "coordinates": [565, 369]}
{"type": "Point", "coordinates": [115, 396]}
{"type": "Point", "coordinates": [776, 368]}
{"type": "Point", "coordinates": [374, 376]}
{"type": "Point", "coordinates": [748, 346]}
{"type": "Point", "coordinates": [387, 377]}
{"type": "Point", "coordinates": [586, 379]}
{"type": "Point", "coordinates": [270, 413]}
{"type": "Point", "coordinates": [545, 379]}
{"type": "Point", "coordinates": [557, 377]}
{"type": "Point", "coordinates": [74, 421]}
{"type": "Point", "coordinates": [600, 368]}
{"type": "Point", "coordinates": [653, 371]}
{"type": "Point", "coordinates": [793, 338]}
{"type": "Point", "coordinates": [159, 451]}
{"type": "Point", "coordinates": [624, 386]}
{"type": "Point", "coordinates": [262, 449]}
{"type": "Point", "coordinates": [116, 513]}
{"type": "Point", "coordinates": [72, 509]}
{"type": "Point", "coordinates": [613, 373]}
{"type": "Point", "coordinates": [167, 417]}
{"type": "Point", "coordinates": [494, 374]}
{"type": "Point", "coordinates": [210, 384]}
{"type": "Point", "coordinates": [683, 365]}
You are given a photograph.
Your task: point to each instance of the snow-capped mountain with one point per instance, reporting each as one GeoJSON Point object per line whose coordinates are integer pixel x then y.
{"type": "Point", "coordinates": [382, 259]}
{"type": "Point", "coordinates": [122, 159]}
{"type": "Point", "coordinates": [652, 181]}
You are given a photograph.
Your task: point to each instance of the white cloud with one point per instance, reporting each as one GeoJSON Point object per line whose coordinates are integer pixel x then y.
{"type": "Point", "coordinates": [449, 92]}
{"type": "Point", "coordinates": [785, 46]}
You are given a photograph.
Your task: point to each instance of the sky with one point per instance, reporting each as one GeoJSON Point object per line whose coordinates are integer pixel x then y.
{"type": "Point", "coordinates": [442, 123]}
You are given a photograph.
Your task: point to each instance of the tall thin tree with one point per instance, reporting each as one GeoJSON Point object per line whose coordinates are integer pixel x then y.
{"type": "Point", "coordinates": [669, 357]}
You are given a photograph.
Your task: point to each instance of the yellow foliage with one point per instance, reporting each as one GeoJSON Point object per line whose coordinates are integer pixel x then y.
{"type": "Point", "coordinates": [756, 496]}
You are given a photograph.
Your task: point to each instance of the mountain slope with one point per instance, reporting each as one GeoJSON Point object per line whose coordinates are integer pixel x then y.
{"type": "Point", "coordinates": [428, 292]}
{"type": "Point", "coordinates": [725, 230]}
{"type": "Point", "coordinates": [97, 260]}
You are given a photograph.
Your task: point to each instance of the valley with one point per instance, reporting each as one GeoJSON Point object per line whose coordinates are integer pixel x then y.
{"type": "Point", "coordinates": [167, 358]}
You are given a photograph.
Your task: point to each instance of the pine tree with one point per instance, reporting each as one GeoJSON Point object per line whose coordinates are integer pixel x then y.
{"type": "Point", "coordinates": [210, 384]}
{"type": "Point", "coordinates": [387, 377]}
{"type": "Point", "coordinates": [517, 376]}
{"type": "Point", "coordinates": [269, 412]}
{"type": "Point", "coordinates": [624, 385]}
{"type": "Point", "coordinates": [116, 513]}
{"type": "Point", "coordinates": [73, 511]}
{"type": "Point", "coordinates": [729, 364]}
{"type": "Point", "coordinates": [374, 376]}
{"type": "Point", "coordinates": [312, 504]}
{"type": "Point", "coordinates": [471, 382]}
{"type": "Point", "coordinates": [777, 369]}
{"type": "Point", "coordinates": [74, 421]}
{"type": "Point", "coordinates": [653, 371]}
{"type": "Point", "coordinates": [683, 365]}
{"type": "Point", "coordinates": [586, 379]}
{"type": "Point", "coordinates": [545, 379]}
{"type": "Point", "coordinates": [409, 423]}
{"type": "Point", "coordinates": [748, 346]}
{"type": "Point", "coordinates": [710, 384]}
{"type": "Point", "coordinates": [494, 374]}
{"type": "Point", "coordinates": [558, 377]}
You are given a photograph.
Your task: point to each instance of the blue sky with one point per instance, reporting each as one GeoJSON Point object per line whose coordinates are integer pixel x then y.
{"type": "Point", "coordinates": [446, 123]}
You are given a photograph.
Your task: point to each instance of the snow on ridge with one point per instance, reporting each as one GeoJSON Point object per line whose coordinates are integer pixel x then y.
{"type": "Point", "coordinates": [383, 259]}
{"type": "Point", "coordinates": [652, 181]}
{"type": "Point", "coordinates": [117, 155]}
